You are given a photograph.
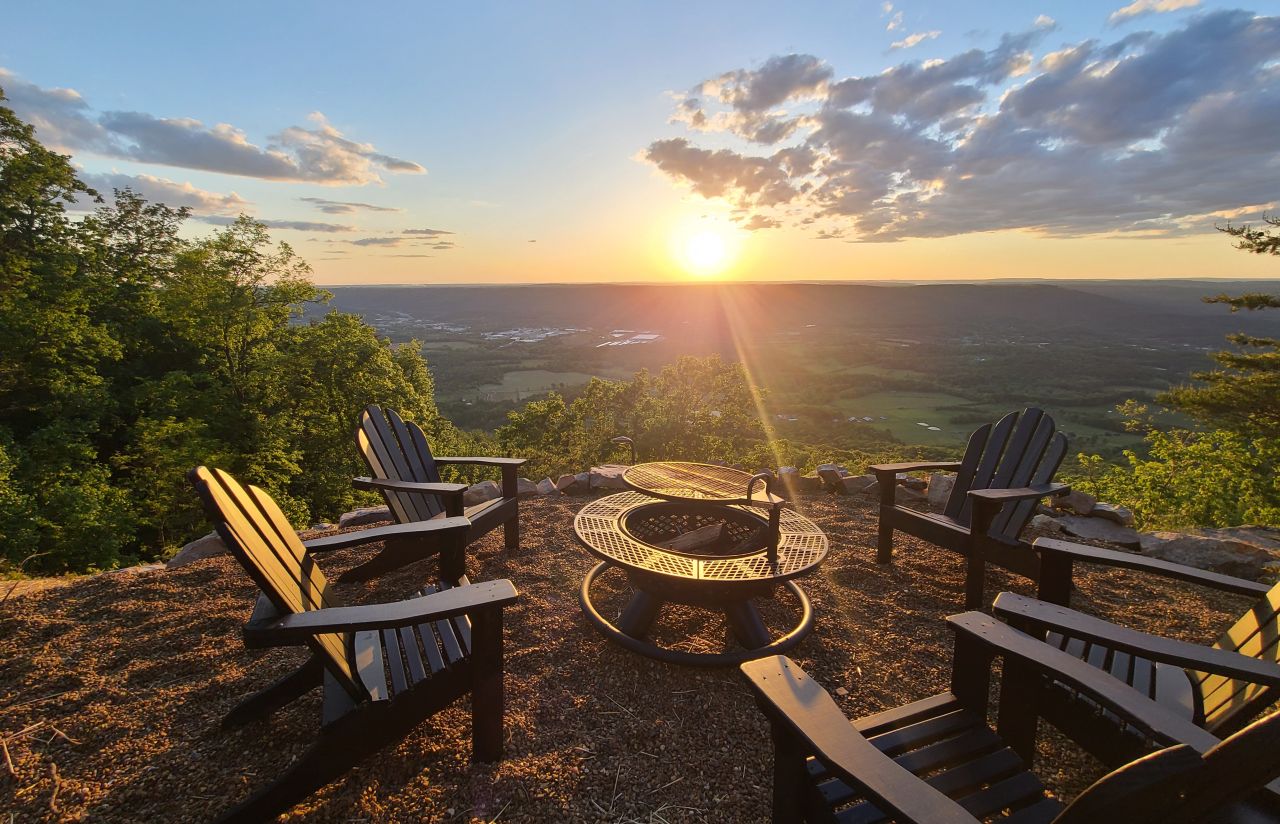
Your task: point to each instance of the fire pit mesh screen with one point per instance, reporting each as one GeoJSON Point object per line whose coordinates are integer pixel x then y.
{"type": "Point", "coordinates": [659, 524]}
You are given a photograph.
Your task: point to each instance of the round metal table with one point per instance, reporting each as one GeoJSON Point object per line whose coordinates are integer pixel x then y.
{"type": "Point", "coordinates": [627, 530]}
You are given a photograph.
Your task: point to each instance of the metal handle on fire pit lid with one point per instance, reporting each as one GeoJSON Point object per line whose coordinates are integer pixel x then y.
{"type": "Point", "coordinates": [775, 514]}
{"type": "Point", "coordinates": [621, 439]}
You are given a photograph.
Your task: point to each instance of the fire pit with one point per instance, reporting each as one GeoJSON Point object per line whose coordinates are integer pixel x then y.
{"type": "Point", "coordinates": [703, 552]}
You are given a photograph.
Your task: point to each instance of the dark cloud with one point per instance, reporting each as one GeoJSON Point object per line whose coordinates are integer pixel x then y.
{"type": "Point", "coordinates": [1153, 134]}
{"type": "Point", "coordinates": [316, 154]}
{"type": "Point", "coordinates": [345, 207]}
{"type": "Point", "coordinates": [427, 232]}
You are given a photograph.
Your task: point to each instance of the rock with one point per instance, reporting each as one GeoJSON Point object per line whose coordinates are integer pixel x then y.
{"type": "Point", "coordinates": [1046, 523]}
{"type": "Point", "coordinates": [137, 569]}
{"type": "Point", "coordinates": [608, 476]}
{"type": "Point", "coordinates": [364, 515]}
{"type": "Point", "coordinates": [315, 531]}
{"type": "Point", "coordinates": [1117, 514]}
{"type": "Point", "coordinates": [918, 484]}
{"type": "Point", "coordinates": [872, 490]}
{"type": "Point", "coordinates": [1099, 529]}
{"type": "Point", "coordinates": [481, 492]}
{"type": "Point", "coordinates": [1081, 503]}
{"type": "Point", "coordinates": [831, 476]}
{"type": "Point", "coordinates": [546, 486]}
{"type": "Point", "coordinates": [809, 483]}
{"type": "Point", "coordinates": [524, 486]}
{"type": "Point", "coordinates": [906, 495]}
{"type": "Point", "coordinates": [565, 482]}
{"type": "Point", "coordinates": [857, 483]}
{"type": "Point", "coordinates": [207, 546]}
{"type": "Point", "coordinates": [940, 486]}
{"type": "Point", "coordinates": [788, 485]}
{"type": "Point", "coordinates": [1244, 552]}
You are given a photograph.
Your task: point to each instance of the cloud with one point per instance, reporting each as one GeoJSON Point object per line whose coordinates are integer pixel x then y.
{"type": "Point", "coordinates": [755, 222]}
{"type": "Point", "coordinates": [317, 154]}
{"type": "Point", "coordinates": [1139, 8]}
{"type": "Point", "coordinates": [894, 23]}
{"type": "Point", "coordinates": [914, 39]}
{"type": "Point", "coordinates": [344, 207]}
{"type": "Point", "coordinates": [428, 232]}
{"type": "Point", "coordinates": [295, 225]}
{"type": "Point", "coordinates": [170, 193]}
{"type": "Point", "coordinates": [391, 241]}
{"type": "Point", "coordinates": [1151, 134]}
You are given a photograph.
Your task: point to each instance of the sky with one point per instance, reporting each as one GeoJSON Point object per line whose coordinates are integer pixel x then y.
{"type": "Point", "coordinates": [627, 141]}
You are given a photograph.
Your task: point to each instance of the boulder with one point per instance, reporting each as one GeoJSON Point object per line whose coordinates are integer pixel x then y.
{"type": "Point", "coordinates": [831, 475]}
{"type": "Point", "coordinates": [137, 569]}
{"type": "Point", "coordinates": [206, 546]}
{"type": "Point", "coordinates": [788, 485]}
{"type": "Point", "coordinates": [1117, 514]}
{"type": "Point", "coordinates": [565, 482]}
{"type": "Point", "coordinates": [857, 483]}
{"type": "Point", "coordinates": [364, 515]}
{"type": "Point", "coordinates": [546, 486]}
{"type": "Point", "coordinates": [918, 484]}
{"type": "Point", "coordinates": [1045, 523]}
{"type": "Point", "coordinates": [1099, 529]}
{"type": "Point", "coordinates": [608, 476]}
{"type": "Point", "coordinates": [906, 496]}
{"type": "Point", "coordinates": [481, 492]}
{"type": "Point", "coordinates": [524, 487]}
{"type": "Point", "coordinates": [1081, 503]}
{"type": "Point", "coordinates": [940, 486]}
{"type": "Point", "coordinates": [809, 483]}
{"type": "Point", "coordinates": [1244, 552]}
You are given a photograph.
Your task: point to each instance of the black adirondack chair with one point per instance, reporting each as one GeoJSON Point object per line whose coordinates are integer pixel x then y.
{"type": "Point", "coordinates": [1221, 687]}
{"type": "Point", "coordinates": [384, 667]}
{"type": "Point", "coordinates": [1007, 467]}
{"type": "Point", "coordinates": [937, 761]}
{"type": "Point", "coordinates": [407, 474]}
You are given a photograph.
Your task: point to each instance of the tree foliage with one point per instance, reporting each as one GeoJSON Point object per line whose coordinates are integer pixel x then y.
{"type": "Point", "coordinates": [129, 354]}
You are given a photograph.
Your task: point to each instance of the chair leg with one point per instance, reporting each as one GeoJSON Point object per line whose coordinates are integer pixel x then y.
{"type": "Point", "coordinates": [304, 679]}
{"type": "Point", "coordinates": [511, 534]}
{"type": "Point", "coordinates": [975, 573]}
{"type": "Point", "coordinates": [884, 540]}
{"type": "Point", "coordinates": [789, 776]}
{"type": "Point", "coordinates": [487, 699]}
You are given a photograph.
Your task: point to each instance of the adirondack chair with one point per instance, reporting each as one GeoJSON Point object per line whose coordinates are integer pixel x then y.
{"type": "Point", "coordinates": [1221, 687]}
{"type": "Point", "coordinates": [1006, 469]}
{"type": "Point", "coordinates": [874, 769]}
{"type": "Point", "coordinates": [407, 474]}
{"type": "Point", "coordinates": [355, 648]}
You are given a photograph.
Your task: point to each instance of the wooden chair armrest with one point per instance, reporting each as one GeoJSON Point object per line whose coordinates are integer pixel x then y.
{"type": "Point", "coordinates": [1022, 493]}
{"type": "Point", "coordinates": [409, 486]}
{"type": "Point", "coordinates": [1030, 615]}
{"type": "Point", "coordinates": [914, 466]}
{"type": "Point", "coordinates": [483, 461]}
{"type": "Point", "coordinates": [1052, 549]}
{"type": "Point", "coordinates": [1109, 692]}
{"type": "Point", "coordinates": [456, 528]}
{"type": "Point", "coordinates": [794, 700]}
{"type": "Point", "coordinates": [300, 626]}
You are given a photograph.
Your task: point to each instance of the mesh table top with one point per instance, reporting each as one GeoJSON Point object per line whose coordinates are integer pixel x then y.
{"type": "Point", "coordinates": [680, 481]}
{"type": "Point", "coordinates": [600, 526]}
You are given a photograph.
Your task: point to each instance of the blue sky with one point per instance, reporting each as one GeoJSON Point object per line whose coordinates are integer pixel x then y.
{"type": "Point", "coordinates": [546, 122]}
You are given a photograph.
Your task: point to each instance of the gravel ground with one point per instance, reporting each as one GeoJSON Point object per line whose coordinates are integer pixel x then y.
{"type": "Point", "coordinates": [111, 688]}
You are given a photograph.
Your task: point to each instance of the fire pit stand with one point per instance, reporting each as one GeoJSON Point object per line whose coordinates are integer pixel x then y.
{"type": "Point", "coordinates": [714, 551]}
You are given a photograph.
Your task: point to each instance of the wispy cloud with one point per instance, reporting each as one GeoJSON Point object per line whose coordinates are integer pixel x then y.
{"type": "Point", "coordinates": [318, 153]}
{"type": "Point", "coordinates": [171, 193]}
{"type": "Point", "coordinates": [1139, 8]}
{"type": "Point", "coordinates": [1152, 134]}
{"type": "Point", "coordinates": [912, 40]}
{"type": "Point", "coordinates": [294, 225]}
{"type": "Point", "coordinates": [427, 232]}
{"type": "Point", "coordinates": [345, 207]}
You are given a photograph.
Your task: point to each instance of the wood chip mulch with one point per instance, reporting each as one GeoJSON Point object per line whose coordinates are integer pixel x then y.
{"type": "Point", "coordinates": [112, 688]}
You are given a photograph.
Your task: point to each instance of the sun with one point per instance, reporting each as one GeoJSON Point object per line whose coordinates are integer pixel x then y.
{"type": "Point", "coordinates": [705, 249]}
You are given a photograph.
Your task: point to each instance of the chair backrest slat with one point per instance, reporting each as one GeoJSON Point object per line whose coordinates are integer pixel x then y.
{"type": "Point", "coordinates": [991, 453]}
{"type": "Point", "coordinates": [1257, 634]}
{"type": "Point", "coordinates": [1025, 468]}
{"type": "Point", "coordinates": [1016, 516]}
{"type": "Point", "coordinates": [259, 535]}
{"type": "Point", "coordinates": [968, 467]}
{"type": "Point", "coordinates": [397, 449]}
